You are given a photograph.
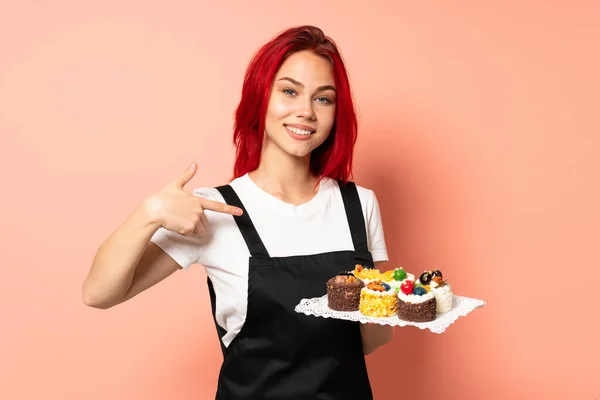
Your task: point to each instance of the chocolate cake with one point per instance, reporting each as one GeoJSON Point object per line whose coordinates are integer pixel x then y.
{"type": "Point", "coordinates": [417, 312]}
{"type": "Point", "coordinates": [343, 292]}
{"type": "Point", "coordinates": [416, 303]}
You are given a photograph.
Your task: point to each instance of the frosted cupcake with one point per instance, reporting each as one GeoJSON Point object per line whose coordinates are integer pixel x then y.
{"type": "Point", "coordinates": [442, 291]}
{"type": "Point", "coordinates": [415, 304]}
{"type": "Point", "coordinates": [343, 292]}
{"type": "Point", "coordinates": [378, 299]}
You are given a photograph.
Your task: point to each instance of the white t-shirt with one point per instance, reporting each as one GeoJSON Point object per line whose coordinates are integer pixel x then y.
{"type": "Point", "coordinates": [318, 226]}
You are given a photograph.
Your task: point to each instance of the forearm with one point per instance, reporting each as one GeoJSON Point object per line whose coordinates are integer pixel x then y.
{"type": "Point", "coordinates": [113, 268]}
{"type": "Point", "coordinates": [374, 336]}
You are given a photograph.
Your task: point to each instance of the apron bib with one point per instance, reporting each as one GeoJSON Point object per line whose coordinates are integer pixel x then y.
{"type": "Point", "coordinates": [279, 353]}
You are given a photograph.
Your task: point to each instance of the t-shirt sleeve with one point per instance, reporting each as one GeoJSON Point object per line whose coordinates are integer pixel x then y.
{"type": "Point", "coordinates": [183, 249]}
{"type": "Point", "coordinates": [376, 237]}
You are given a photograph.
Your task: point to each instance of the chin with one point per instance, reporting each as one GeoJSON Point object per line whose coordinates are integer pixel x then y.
{"type": "Point", "coordinates": [302, 149]}
{"type": "Point", "coordinates": [295, 149]}
{"type": "Point", "coordinates": [300, 153]}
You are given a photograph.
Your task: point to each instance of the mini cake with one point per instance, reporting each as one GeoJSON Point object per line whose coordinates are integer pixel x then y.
{"type": "Point", "coordinates": [366, 274]}
{"type": "Point", "coordinates": [415, 304]}
{"type": "Point", "coordinates": [378, 299]}
{"type": "Point", "coordinates": [440, 288]}
{"type": "Point", "coordinates": [343, 292]}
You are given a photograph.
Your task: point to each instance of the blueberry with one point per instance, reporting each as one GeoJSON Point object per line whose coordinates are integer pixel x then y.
{"type": "Point", "coordinates": [425, 278]}
{"type": "Point", "coordinates": [385, 286]}
{"type": "Point", "coordinates": [419, 291]}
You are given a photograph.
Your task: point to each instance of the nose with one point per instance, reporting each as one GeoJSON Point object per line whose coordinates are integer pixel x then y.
{"type": "Point", "coordinates": [306, 111]}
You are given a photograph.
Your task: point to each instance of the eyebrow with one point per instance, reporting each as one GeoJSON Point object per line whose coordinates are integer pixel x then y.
{"type": "Point", "coordinates": [319, 89]}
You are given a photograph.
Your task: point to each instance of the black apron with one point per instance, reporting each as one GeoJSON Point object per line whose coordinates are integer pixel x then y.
{"type": "Point", "coordinates": [279, 353]}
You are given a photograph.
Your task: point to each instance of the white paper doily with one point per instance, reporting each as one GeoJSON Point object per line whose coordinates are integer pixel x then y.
{"type": "Point", "coordinates": [461, 307]}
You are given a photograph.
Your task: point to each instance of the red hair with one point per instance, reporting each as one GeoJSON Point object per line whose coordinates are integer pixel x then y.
{"type": "Point", "coordinates": [333, 158]}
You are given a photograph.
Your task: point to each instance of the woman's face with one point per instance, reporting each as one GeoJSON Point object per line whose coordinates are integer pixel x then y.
{"type": "Point", "coordinates": [301, 109]}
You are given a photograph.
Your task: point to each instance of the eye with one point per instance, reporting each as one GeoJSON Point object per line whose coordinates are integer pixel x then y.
{"type": "Point", "coordinates": [289, 92]}
{"type": "Point", "coordinates": [324, 100]}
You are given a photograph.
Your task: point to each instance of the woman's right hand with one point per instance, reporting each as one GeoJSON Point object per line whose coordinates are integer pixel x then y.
{"type": "Point", "coordinates": [175, 209]}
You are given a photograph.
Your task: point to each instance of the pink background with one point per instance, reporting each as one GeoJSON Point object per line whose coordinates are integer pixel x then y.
{"type": "Point", "coordinates": [479, 133]}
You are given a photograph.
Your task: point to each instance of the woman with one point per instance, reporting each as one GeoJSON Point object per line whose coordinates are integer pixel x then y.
{"type": "Point", "coordinates": [288, 221]}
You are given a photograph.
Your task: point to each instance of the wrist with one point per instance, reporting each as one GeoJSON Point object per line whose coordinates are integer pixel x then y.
{"type": "Point", "coordinates": [152, 208]}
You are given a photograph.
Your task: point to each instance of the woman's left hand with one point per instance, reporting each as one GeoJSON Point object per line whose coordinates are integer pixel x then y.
{"type": "Point", "coordinates": [375, 336]}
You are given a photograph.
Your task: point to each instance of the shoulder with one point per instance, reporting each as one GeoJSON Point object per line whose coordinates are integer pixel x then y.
{"type": "Point", "coordinates": [209, 193]}
{"type": "Point", "coordinates": [366, 195]}
{"type": "Point", "coordinates": [212, 193]}
{"type": "Point", "coordinates": [364, 191]}
{"type": "Point", "coordinates": [368, 199]}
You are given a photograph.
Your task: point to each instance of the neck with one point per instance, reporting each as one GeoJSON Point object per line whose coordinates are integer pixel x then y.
{"type": "Point", "coordinates": [284, 176]}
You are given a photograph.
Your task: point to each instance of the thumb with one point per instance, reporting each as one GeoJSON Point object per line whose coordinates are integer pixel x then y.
{"type": "Point", "coordinates": [186, 176]}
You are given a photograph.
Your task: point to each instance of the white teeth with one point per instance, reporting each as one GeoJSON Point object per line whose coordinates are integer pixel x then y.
{"type": "Point", "coordinates": [299, 131]}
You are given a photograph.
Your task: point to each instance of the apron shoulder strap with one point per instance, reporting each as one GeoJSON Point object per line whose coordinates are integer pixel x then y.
{"type": "Point", "coordinates": [244, 223]}
{"type": "Point", "coordinates": [354, 213]}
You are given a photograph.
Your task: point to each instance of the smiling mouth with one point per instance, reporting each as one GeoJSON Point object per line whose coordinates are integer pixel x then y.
{"type": "Point", "coordinates": [299, 131]}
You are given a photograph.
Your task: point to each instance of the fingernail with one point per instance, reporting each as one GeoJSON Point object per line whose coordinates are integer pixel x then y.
{"type": "Point", "coordinates": [238, 211]}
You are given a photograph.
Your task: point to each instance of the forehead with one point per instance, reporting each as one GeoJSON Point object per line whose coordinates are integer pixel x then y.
{"type": "Point", "coordinates": [307, 68]}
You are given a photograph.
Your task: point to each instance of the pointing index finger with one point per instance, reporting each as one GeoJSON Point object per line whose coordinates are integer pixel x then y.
{"type": "Point", "coordinates": [220, 207]}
